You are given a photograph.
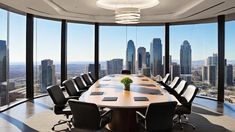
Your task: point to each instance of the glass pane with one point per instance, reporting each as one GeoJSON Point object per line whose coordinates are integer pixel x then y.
{"type": "Point", "coordinates": [128, 47]}
{"type": "Point", "coordinates": [4, 92]}
{"type": "Point", "coordinates": [47, 47]}
{"type": "Point", "coordinates": [194, 56]}
{"type": "Point", "coordinates": [229, 62]}
{"type": "Point", "coordinates": [80, 48]}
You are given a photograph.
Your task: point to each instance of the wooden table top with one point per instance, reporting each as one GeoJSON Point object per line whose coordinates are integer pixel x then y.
{"type": "Point", "coordinates": [111, 86]}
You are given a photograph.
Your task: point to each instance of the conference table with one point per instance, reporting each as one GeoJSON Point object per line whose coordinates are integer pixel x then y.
{"type": "Point", "coordinates": [124, 103]}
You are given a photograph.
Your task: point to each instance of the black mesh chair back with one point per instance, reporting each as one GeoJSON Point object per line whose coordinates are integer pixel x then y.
{"type": "Point", "coordinates": [159, 116]}
{"type": "Point", "coordinates": [126, 72]}
{"type": "Point", "coordinates": [79, 82]}
{"type": "Point", "coordinates": [86, 79]}
{"type": "Point", "coordinates": [57, 95]}
{"type": "Point", "coordinates": [91, 76]}
{"type": "Point", "coordinates": [166, 78]}
{"type": "Point", "coordinates": [70, 88]}
{"type": "Point", "coordinates": [85, 115]}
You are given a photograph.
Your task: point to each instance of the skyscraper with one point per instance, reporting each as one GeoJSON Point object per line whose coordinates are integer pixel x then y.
{"type": "Point", "coordinates": [47, 74]}
{"type": "Point", "coordinates": [156, 57]}
{"type": "Point", "coordinates": [114, 66]}
{"type": "Point", "coordinates": [175, 70]}
{"type": "Point", "coordinates": [3, 74]}
{"type": "Point", "coordinates": [205, 73]}
{"type": "Point", "coordinates": [229, 75]}
{"type": "Point", "coordinates": [212, 75]}
{"type": "Point", "coordinates": [3, 64]}
{"type": "Point", "coordinates": [185, 58]}
{"type": "Point", "coordinates": [147, 59]}
{"type": "Point", "coordinates": [91, 68]}
{"type": "Point", "coordinates": [141, 56]}
{"type": "Point", "coordinates": [130, 56]}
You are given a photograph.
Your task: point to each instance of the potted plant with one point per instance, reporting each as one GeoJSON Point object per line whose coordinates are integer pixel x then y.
{"type": "Point", "coordinates": [126, 81]}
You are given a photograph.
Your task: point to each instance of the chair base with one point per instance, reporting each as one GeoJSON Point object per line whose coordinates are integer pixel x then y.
{"type": "Point", "coordinates": [68, 122]}
{"type": "Point", "coordinates": [181, 122]}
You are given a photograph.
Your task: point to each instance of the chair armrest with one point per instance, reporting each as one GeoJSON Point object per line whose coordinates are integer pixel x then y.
{"type": "Point", "coordinates": [140, 115]}
{"type": "Point", "coordinates": [72, 97]}
{"type": "Point", "coordinates": [106, 113]}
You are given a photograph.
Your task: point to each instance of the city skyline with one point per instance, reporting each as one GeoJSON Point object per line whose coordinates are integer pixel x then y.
{"type": "Point", "coordinates": [141, 35]}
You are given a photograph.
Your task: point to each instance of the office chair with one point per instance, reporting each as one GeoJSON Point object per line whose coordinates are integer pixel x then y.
{"type": "Point", "coordinates": [177, 91]}
{"type": "Point", "coordinates": [158, 116]}
{"type": "Point", "coordinates": [87, 80]}
{"type": "Point", "coordinates": [166, 78]}
{"type": "Point", "coordinates": [175, 82]}
{"type": "Point", "coordinates": [126, 72]}
{"type": "Point", "coordinates": [92, 78]}
{"type": "Point", "coordinates": [88, 116]}
{"type": "Point", "coordinates": [60, 104]}
{"type": "Point", "coordinates": [186, 103]}
{"type": "Point", "coordinates": [71, 89]}
{"type": "Point", "coordinates": [80, 84]}
{"type": "Point", "coordinates": [171, 86]}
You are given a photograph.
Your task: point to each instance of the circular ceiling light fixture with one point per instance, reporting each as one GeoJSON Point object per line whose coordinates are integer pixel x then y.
{"type": "Point", "coordinates": [126, 11]}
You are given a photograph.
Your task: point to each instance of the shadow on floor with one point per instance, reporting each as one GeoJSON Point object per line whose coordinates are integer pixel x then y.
{"type": "Point", "coordinates": [19, 124]}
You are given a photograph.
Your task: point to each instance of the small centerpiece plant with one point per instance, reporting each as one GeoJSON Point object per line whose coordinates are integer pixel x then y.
{"type": "Point", "coordinates": [126, 81]}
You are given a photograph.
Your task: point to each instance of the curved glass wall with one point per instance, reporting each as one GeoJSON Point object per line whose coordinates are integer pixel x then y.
{"type": "Point", "coordinates": [47, 48]}
{"type": "Point", "coordinates": [193, 49]}
{"type": "Point", "coordinates": [229, 79]}
{"type": "Point", "coordinates": [12, 58]}
{"type": "Point", "coordinates": [129, 47]}
{"type": "Point", "coordinates": [80, 47]}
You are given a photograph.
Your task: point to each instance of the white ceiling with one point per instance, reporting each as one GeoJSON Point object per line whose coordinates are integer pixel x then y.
{"type": "Point", "coordinates": [86, 10]}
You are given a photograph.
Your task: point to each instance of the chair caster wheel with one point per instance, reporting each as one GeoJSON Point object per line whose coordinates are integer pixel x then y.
{"type": "Point", "coordinates": [52, 128]}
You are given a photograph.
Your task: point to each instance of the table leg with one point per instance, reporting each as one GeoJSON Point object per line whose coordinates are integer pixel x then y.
{"type": "Point", "coordinates": [123, 120]}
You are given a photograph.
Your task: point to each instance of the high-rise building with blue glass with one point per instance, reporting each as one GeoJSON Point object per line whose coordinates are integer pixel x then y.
{"type": "Point", "coordinates": [114, 66]}
{"type": "Point", "coordinates": [3, 64]}
{"type": "Point", "coordinates": [156, 57]}
{"type": "Point", "coordinates": [47, 74]}
{"type": "Point", "coordinates": [147, 59]}
{"type": "Point", "coordinates": [185, 58]}
{"type": "Point", "coordinates": [141, 55]}
{"type": "Point", "coordinates": [130, 56]}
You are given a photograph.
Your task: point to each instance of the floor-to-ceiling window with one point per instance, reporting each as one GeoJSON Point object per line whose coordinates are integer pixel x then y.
{"type": "Point", "coordinates": [80, 49]}
{"type": "Point", "coordinates": [229, 93]}
{"type": "Point", "coordinates": [129, 47]}
{"type": "Point", "coordinates": [47, 54]}
{"type": "Point", "coordinates": [193, 49]}
{"type": "Point", "coordinates": [12, 58]}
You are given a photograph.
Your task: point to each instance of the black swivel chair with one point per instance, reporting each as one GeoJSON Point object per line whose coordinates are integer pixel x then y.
{"type": "Point", "coordinates": [126, 72]}
{"type": "Point", "coordinates": [80, 84]}
{"type": "Point", "coordinates": [92, 78]}
{"type": "Point", "coordinates": [158, 116]}
{"type": "Point", "coordinates": [175, 82]}
{"type": "Point", "coordinates": [186, 103]}
{"type": "Point", "coordinates": [166, 78]}
{"type": "Point", "coordinates": [61, 106]}
{"type": "Point", "coordinates": [71, 89]}
{"type": "Point", "coordinates": [87, 80]}
{"type": "Point", "coordinates": [88, 116]}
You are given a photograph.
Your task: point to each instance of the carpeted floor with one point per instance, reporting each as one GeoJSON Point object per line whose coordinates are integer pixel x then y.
{"type": "Point", "coordinates": [204, 120]}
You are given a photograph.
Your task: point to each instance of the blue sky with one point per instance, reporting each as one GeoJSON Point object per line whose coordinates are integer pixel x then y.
{"type": "Point", "coordinates": [202, 37]}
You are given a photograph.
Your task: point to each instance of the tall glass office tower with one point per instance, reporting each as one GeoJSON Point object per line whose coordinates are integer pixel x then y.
{"type": "Point", "coordinates": [130, 56]}
{"type": "Point", "coordinates": [185, 58]}
{"type": "Point", "coordinates": [3, 74]}
{"type": "Point", "coordinates": [141, 58]}
{"type": "Point", "coordinates": [156, 57]}
{"type": "Point", "coordinates": [47, 74]}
